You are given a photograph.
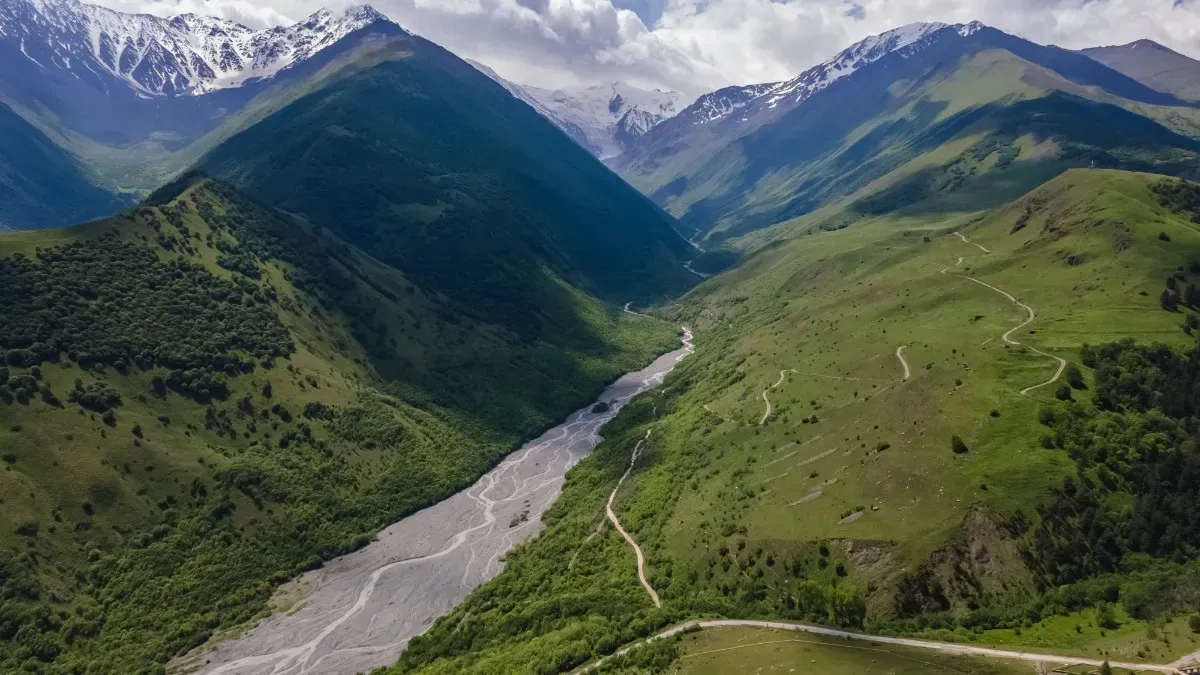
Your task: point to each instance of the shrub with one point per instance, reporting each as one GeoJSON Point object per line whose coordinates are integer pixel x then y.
{"type": "Point", "coordinates": [1046, 416]}
{"type": "Point", "coordinates": [316, 410]}
{"type": "Point", "coordinates": [958, 445]}
{"type": "Point", "coordinates": [1075, 377]}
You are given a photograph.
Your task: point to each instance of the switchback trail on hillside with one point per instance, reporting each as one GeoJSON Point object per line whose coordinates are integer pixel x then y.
{"type": "Point", "coordinates": [366, 606]}
{"type": "Point", "coordinates": [944, 647]}
{"type": "Point", "coordinates": [1007, 337]}
{"type": "Point", "coordinates": [783, 375]}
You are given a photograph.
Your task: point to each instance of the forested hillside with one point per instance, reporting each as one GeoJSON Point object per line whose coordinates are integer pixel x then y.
{"type": "Point", "coordinates": [202, 397]}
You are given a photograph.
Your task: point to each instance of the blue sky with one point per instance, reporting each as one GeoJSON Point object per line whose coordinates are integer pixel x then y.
{"type": "Point", "coordinates": [648, 10]}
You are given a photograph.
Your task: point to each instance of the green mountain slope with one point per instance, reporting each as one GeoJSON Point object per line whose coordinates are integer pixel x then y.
{"type": "Point", "coordinates": [442, 173]}
{"type": "Point", "coordinates": [916, 466]}
{"type": "Point", "coordinates": [202, 397]}
{"type": "Point", "coordinates": [1154, 66]}
{"type": "Point", "coordinates": [961, 115]}
{"type": "Point", "coordinates": [41, 185]}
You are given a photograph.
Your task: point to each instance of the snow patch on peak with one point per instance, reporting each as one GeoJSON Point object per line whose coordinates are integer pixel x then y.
{"type": "Point", "coordinates": [610, 115]}
{"type": "Point", "coordinates": [188, 54]}
{"type": "Point", "coordinates": [857, 56]}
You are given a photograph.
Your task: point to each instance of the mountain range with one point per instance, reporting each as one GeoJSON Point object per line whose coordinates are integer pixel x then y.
{"type": "Point", "coordinates": [747, 158]}
{"type": "Point", "coordinates": [321, 276]}
{"type": "Point", "coordinates": [183, 55]}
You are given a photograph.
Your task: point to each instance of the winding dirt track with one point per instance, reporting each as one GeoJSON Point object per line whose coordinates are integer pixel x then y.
{"type": "Point", "coordinates": [900, 355]}
{"type": "Point", "coordinates": [1007, 337]}
{"type": "Point", "coordinates": [767, 415]}
{"type": "Point", "coordinates": [945, 647]}
{"type": "Point", "coordinates": [366, 606]}
{"type": "Point", "coordinates": [968, 241]}
{"type": "Point", "coordinates": [637, 550]}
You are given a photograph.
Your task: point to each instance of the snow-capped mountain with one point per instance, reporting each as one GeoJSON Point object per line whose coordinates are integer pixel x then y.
{"type": "Point", "coordinates": [604, 119]}
{"type": "Point", "coordinates": [904, 40]}
{"type": "Point", "coordinates": [610, 115]}
{"type": "Point", "coordinates": [724, 102]}
{"type": "Point", "coordinates": [175, 56]}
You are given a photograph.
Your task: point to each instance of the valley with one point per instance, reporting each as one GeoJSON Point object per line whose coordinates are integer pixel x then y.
{"type": "Point", "coordinates": [886, 366]}
{"type": "Point", "coordinates": [360, 610]}
{"type": "Point", "coordinates": [853, 477]}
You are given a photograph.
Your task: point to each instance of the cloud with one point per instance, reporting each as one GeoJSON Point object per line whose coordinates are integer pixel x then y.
{"type": "Point", "coordinates": [695, 46]}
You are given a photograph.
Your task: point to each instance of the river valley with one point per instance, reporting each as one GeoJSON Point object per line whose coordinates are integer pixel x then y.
{"type": "Point", "coordinates": [363, 608]}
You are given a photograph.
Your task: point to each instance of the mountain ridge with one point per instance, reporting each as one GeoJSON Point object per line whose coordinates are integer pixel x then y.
{"type": "Point", "coordinates": [829, 136]}
{"type": "Point", "coordinates": [1152, 64]}
{"type": "Point", "coordinates": [181, 55]}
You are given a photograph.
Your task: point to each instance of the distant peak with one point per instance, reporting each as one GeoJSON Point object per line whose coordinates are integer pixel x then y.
{"type": "Point", "coordinates": [364, 13]}
{"type": "Point", "coordinates": [355, 15]}
{"type": "Point", "coordinates": [970, 28]}
{"type": "Point", "coordinates": [1146, 44]}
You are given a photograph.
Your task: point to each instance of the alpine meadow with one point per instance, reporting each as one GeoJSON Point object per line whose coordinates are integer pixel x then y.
{"type": "Point", "coordinates": [325, 350]}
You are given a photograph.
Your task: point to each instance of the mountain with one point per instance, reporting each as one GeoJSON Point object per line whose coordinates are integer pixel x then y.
{"type": "Point", "coordinates": [133, 118]}
{"type": "Point", "coordinates": [184, 55]}
{"type": "Point", "coordinates": [385, 273]}
{"type": "Point", "coordinates": [1153, 65]}
{"type": "Point", "coordinates": [604, 119]}
{"type": "Point", "coordinates": [440, 172]}
{"type": "Point", "coordinates": [612, 115]}
{"type": "Point", "coordinates": [568, 127]}
{"type": "Point", "coordinates": [41, 185]}
{"type": "Point", "coordinates": [752, 102]}
{"type": "Point", "coordinates": [884, 110]}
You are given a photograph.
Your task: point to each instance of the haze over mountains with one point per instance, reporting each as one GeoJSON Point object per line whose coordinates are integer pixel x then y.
{"type": "Point", "coordinates": [319, 277]}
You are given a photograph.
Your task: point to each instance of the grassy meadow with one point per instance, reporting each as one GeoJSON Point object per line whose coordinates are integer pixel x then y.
{"type": "Point", "coordinates": [852, 493]}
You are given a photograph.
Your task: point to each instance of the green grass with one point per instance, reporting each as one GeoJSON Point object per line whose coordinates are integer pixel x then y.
{"type": "Point", "coordinates": [740, 519]}
{"type": "Point", "coordinates": [1079, 635]}
{"type": "Point", "coordinates": [753, 650]}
